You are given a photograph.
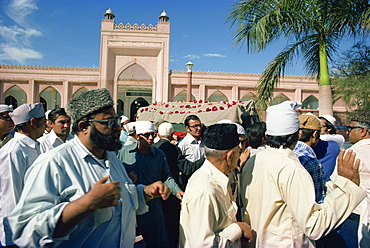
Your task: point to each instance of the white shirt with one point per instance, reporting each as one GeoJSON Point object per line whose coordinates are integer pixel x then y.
{"type": "Point", "coordinates": [334, 137]}
{"type": "Point", "coordinates": [191, 148]}
{"type": "Point", "coordinates": [63, 175]}
{"type": "Point", "coordinates": [51, 140]}
{"type": "Point", "coordinates": [16, 157]}
{"type": "Point", "coordinates": [279, 196]}
{"type": "Point", "coordinates": [362, 150]}
{"type": "Point", "coordinates": [208, 215]}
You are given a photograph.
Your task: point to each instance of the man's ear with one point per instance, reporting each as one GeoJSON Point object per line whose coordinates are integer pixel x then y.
{"type": "Point", "coordinates": [33, 122]}
{"type": "Point", "coordinates": [299, 134]}
{"type": "Point", "coordinates": [83, 125]}
{"type": "Point", "coordinates": [229, 155]}
{"type": "Point", "coordinates": [363, 131]}
{"type": "Point", "coordinates": [187, 129]}
{"type": "Point", "coordinates": [136, 136]}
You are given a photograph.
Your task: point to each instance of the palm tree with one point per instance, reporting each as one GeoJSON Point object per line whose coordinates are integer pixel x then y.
{"type": "Point", "coordinates": [313, 29]}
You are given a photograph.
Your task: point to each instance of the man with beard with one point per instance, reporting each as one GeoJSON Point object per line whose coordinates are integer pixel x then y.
{"type": "Point", "coordinates": [60, 132]}
{"type": "Point", "coordinates": [78, 194]}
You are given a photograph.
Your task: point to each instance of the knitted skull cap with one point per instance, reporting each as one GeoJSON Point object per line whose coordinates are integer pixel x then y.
{"type": "Point", "coordinates": [221, 136]}
{"type": "Point", "coordinates": [88, 102]}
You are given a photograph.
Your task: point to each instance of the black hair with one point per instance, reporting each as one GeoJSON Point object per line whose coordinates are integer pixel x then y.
{"type": "Point", "coordinates": [55, 113]}
{"type": "Point", "coordinates": [190, 117]}
{"type": "Point", "coordinates": [255, 134]}
{"type": "Point", "coordinates": [329, 125]}
{"type": "Point", "coordinates": [287, 141]}
{"type": "Point", "coordinates": [306, 134]}
{"type": "Point", "coordinates": [22, 126]}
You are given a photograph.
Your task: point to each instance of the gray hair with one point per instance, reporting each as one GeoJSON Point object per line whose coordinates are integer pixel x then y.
{"type": "Point", "coordinates": [217, 154]}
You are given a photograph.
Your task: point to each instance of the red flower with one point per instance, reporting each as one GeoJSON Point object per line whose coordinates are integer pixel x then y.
{"type": "Point", "coordinates": [161, 112]}
{"type": "Point", "coordinates": [208, 109]}
{"type": "Point", "coordinates": [214, 108]}
{"type": "Point", "coordinates": [176, 112]}
{"type": "Point", "coordinates": [188, 112]}
{"type": "Point", "coordinates": [205, 101]}
{"type": "Point", "coordinates": [199, 110]}
{"type": "Point", "coordinates": [146, 109]}
{"type": "Point", "coordinates": [181, 106]}
{"type": "Point", "coordinates": [199, 106]}
{"type": "Point", "coordinates": [193, 106]}
{"type": "Point", "coordinates": [222, 108]}
{"type": "Point", "coordinates": [187, 106]}
{"type": "Point", "coordinates": [195, 101]}
{"type": "Point", "coordinates": [166, 105]}
{"type": "Point", "coordinates": [155, 103]}
{"type": "Point", "coordinates": [141, 110]}
{"type": "Point", "coordinates": [182, 112]}
{"type": "Point", "coordinates": [170, 112]}
{"type": "Point", "coordinates": [200, 101]}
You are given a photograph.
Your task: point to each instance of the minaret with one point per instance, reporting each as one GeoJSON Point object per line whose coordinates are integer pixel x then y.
{"type": "Point", "coordinates": [163, 17]}
{"type": "Point", "coordinates": [109, 14]}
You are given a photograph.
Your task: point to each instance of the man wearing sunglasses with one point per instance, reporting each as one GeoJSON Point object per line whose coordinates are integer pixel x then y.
{"type": "Point", "coordinates": [149, 164]}
{"type": "Point", "coordinates": [359, 135]}
{"type": "Point", "coordinates": [78, 194]}
{"type": "Point", "coordinates": [6, 124]}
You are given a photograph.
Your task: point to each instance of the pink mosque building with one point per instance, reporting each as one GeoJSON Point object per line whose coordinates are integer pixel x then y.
{"type": "Point", "coordinates": [134, 66]}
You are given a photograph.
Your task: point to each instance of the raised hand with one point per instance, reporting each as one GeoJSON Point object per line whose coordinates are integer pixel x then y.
{"type": "Point", "coordinates": [347, 167]}
{"type": "Point", "coordinates": [103, 195]}
{"type": "Point", "coordinates": [157, 189]}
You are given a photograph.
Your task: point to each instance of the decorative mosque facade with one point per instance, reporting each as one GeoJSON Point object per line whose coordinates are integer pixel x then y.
{"type": "Point", "coordinates": [134, 67]}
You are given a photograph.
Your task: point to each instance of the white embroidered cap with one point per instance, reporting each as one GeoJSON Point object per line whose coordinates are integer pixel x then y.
{"type": "Point", "coordinates": [282, 119]}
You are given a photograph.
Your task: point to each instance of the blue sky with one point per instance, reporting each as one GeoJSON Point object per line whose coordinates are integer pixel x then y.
{"type": "Point", "coordinates": [67, 33]}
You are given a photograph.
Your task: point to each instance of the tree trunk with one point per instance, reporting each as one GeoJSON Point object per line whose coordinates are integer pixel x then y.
{"type": "Point", "coordinates": [325, 96]}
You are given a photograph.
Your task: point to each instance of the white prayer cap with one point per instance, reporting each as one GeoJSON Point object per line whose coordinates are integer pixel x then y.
{"type": "Point", "coordinates": [124, 118]}
{"type": "Point", "coordinates": [165, 129]}
{"type": "Point", "coordinates": [224, 121]}
{"type": "Point", "coordinates": [282, 119]}
{"type": "Point", "coordinates": [130, 127]}
{"type": "Point", "coordinates": [47, 114]}
{"type": "Point", "coordinates": [27, 111]}
{"type": "Point", "coordinates": [5, 108]}
{"type": "Point", "coordinates": [329, 118]}
{"type": "Point", "coordinates": [240, 128]}
{"type": "Point", "coordinates": [144, 127]}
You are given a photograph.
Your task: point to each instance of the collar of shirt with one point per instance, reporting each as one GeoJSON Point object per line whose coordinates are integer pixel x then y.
{"type": "Point", "coordinates": [84, 152]}
{"type": "Point", "coordinates": [190, 138]}
{"type": "Point", "coordinates": [217, 175]}
{"type": "Point", "coordinates": [302, 149]}
{"type": "Point", "coordinates": [362, 142]}
{"type": "Point", "coordinates": [26, 140]}
{"type": "Point", "coordinates": [286, 151]}
{"type": "Point", "coordinates": [151, 151]}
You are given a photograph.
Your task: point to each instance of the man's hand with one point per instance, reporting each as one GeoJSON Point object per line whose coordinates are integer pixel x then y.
{"type": "Point", "coordinates": [347, 167]}
{"type": "Point", "coordinates": [155, 190]}
{"type": "Point", "coordinates": [103, 195]}
{"type": "Point", "coordinates": [246, 230]}
{"type": "Point", "coordinates": [180, 194]}
{"type": "Point", "coordinates": [244, 157]}
{"type": "Point", "coordinates": [132, 176]}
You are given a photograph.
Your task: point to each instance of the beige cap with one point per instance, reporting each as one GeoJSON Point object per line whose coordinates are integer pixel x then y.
{"type": "Point", "coordinates": [309, 121]}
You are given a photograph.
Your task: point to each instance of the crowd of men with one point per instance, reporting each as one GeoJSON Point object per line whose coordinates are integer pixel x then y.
{"type": "Point", "coordinates": [93, 179]}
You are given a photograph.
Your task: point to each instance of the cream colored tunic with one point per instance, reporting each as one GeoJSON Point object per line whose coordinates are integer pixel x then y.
{"type": "Point", "coordinates": [208, 214]}
{"type": "Point", "coordinates": [280, 202]}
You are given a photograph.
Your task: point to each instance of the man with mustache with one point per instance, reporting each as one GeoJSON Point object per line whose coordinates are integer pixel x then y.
{"type": "Point", "coordinates": [78, 194]}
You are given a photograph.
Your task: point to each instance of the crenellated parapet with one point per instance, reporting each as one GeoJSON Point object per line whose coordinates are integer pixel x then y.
{"type": "Point", "coordinates": [52, 68]}
{"type": "Point", "coordinates": [136, 27]}
{"type": "Point", "coordinates": [233, 74]}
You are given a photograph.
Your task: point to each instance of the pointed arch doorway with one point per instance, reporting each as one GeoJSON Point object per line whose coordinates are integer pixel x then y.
{"type": "Point", "coordinates": [135, 105]}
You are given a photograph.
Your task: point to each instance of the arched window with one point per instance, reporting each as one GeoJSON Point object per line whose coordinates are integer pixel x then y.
{"type": "Point", "coordinates": [120, 107]}
{"type": "Point", "coordinates": [50, 97]}
{"type": "Point", "coordinates": [279, 99]}
{"type": "Point", "coordinates": [182, 97]}
{"type": "Point", "coordinates": [310, 102]}
{"type": "Point", "coordinates": [135, 105]}
{"type": "Point", "coordinates": [249, 96]}
{"type": "Point", "coordinates": [79, 91]}
{"type": "Point", "coordinates": [217, 96]}
{"type": "Point", "coordinates": [10, 100]}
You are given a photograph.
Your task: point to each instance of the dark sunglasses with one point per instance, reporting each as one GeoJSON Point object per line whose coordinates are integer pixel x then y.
{"type": "Point", "coordinates": [349, 128]}
{"type": "Point", "coordinates": [196, 126]}
{"type": "Point", "coordinates": [6, 117]}
{"type": "Point", "coordinates": [108, 122]}
{"type": "Point", "coordinates": [147, 135]}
